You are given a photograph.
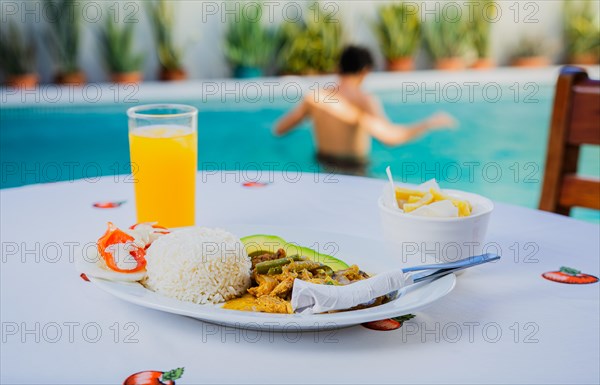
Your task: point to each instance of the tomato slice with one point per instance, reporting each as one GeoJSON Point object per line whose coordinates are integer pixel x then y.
{"type": "Point", "coordinates": [383, 325]}
{"type": "Point", "coordinates": [114, 236]}
{"type": "Point", "coordinates": [154, 226]}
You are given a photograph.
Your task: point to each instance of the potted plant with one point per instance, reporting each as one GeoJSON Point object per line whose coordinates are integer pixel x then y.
{"type": "Point", "coordinates": [398, 30]}
{"type": "Point", "coordinates": [248, 44]}
{"type": "Point", "coordinates": [446, 41]}
{"type": "Point", "coordinates": [18, 58]}
{"type": "Point", "coordinates": [530, 53]}
{"type": "Point", "coordinates": [122, 61]}
{"type": "Point", "coordinates": [162, 18]}
{"type": "Point", "coordinates": [582, 32]}
{"type": "Point", "coordinates": [63, 40]}
{"type": "Point", "coordinates": [311, 46]}
{"type": "Point", "coordinates": [480, 31]}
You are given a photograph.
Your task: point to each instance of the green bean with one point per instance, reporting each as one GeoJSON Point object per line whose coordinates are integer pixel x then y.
{"type": "Point", "coordinates": [267, 266]}
{"type": "Point", "coordinates": [311, 266]}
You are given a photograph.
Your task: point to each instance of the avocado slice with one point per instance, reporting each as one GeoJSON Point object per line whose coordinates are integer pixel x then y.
{"type": "Point", "coordinates": [261, 243]}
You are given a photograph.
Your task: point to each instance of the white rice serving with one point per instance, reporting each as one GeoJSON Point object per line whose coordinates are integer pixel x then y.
{"type": "Point", "coordinates": [199, 264]}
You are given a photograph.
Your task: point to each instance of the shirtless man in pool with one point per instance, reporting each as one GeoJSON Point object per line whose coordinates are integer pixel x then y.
{"type": "Point", "coordinates": [346, 118]}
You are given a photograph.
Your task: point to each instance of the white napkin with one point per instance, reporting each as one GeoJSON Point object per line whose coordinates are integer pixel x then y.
{"type": "Point", "coordinates": [440, 209]}
{"type": "Point", "coordinates": [430, 184]}
{"type": "Point", "coordinates": [389, 197]}
{"type": "Point", "coordinates": [312, 298]}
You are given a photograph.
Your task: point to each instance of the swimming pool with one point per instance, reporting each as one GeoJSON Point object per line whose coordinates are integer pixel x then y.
{"type": "Point", "coordinates": [498, 150]}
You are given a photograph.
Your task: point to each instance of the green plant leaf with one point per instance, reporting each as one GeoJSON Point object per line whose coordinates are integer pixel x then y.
{"type": "Point", "coordinates": [581, 27]}
{"type": "Point", "coordinates": [312, 45]}
{"type": "Point", "coordinates": [569, 270]}
{"type": "Point", "coordinates": [117, 42]}
{"type": "Point", "coordinates": [247, 41]}
{"type": "Point", "coordinates": [446, 38]}
{"type": "Point", "coordinates": [64, 32]}
{"type": "Point", "coordinates": [162, 18]}
{"type": "Point", "coordinates": [17, 49]}
{"type": "Point", "coordinates": [403, 318]}
{"type": "Point", "coordinates": [172, 375]}
{"type": "Point", "coordinates": [530, 46]}
{"type": "Point", "coordinates": [479, 28]}
{"type": "Point", "coordinates": [398, 29]}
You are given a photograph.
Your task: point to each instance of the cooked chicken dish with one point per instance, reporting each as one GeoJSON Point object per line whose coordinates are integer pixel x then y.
{"type": "Point", "coordinates": [273, 276]}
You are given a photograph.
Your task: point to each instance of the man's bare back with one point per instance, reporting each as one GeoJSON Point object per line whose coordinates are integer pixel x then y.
{"type": "Point", "coordinates": [338, 132]}
{"type": "Point", "coordinates": [346, 118]}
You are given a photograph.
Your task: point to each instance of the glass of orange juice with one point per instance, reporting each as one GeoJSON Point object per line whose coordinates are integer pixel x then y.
{"type": "Point", "coordinates": [163, 147]}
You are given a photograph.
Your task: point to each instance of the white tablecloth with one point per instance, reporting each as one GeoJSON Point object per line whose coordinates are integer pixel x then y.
{"type": "Point", "coordinates": [501, 324]}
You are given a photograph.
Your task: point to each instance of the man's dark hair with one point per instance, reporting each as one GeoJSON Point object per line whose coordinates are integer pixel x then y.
{"type": "Point", "coordinates": [354, 59]}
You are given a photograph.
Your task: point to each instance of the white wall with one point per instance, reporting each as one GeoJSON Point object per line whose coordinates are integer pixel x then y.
{"type": "Point", "coordinates": [200, 29]}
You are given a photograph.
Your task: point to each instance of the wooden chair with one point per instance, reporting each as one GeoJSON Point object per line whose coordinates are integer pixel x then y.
{"type": "Point", "coordinates": [575, 121]}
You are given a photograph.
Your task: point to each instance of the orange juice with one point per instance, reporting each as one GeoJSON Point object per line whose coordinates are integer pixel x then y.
{"type": "Point", "coordinates": [163, 164]}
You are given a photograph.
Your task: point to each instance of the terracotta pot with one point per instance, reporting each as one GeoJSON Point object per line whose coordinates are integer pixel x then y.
{"type": "Point", "coordinates": [585, 59]}
{"type": "Point", "coordinates": [73, 79]}
{"type": "Point", "coordinates": [172, 75]}
{"type": "Point", "coordinates": [22, 81]}
{"type": "Point", "coordinates": [401, 64]}
{"type": "Point", "coordinates": [483, 63]}
{"type": "Point", "coordinates": [311, 72]}
{"type": "Point", "coordinates": [127, 77]}
{"type": "Point", "coordinates": [531, 62]}
{"type": "Point", "coordinates": [450, 64]}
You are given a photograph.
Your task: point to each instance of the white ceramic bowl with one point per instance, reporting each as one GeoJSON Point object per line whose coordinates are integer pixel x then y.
{"type": "Point", "coordinates": [417, 239]}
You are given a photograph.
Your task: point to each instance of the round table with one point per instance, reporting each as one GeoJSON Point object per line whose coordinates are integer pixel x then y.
{"type": "Point", "coordinates": [503, 323]}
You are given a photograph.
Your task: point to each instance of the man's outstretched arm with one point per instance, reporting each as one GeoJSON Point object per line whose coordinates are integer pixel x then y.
{"type": "Point", "coordinates": [292, 119]}
{"type": "Point", "coordinates": [395, 134]}
{"type": "Point", "coordinates": [381, 128]}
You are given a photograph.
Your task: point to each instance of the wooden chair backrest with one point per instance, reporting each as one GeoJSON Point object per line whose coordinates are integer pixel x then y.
{"type": "Point", "coordinates": [575, 121]}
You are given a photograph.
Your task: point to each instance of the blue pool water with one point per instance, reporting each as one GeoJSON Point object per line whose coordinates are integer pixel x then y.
{"type": "Point", "coordinates": [498, 151]}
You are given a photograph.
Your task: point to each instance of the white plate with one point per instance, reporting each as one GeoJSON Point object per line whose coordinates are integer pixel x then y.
{"type": "Point", "coordinates": [366, 253]}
